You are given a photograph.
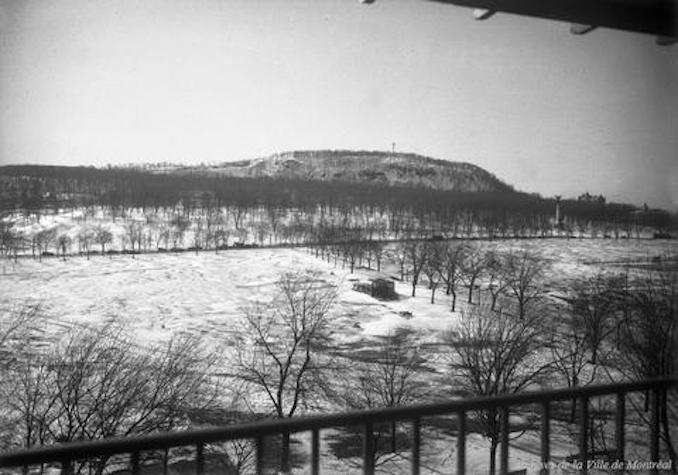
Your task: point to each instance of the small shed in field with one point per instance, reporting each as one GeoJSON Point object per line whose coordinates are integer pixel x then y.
{"type": "Point", "coordinates": [379, 288]}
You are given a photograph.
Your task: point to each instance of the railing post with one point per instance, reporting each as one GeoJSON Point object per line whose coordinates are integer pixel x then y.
{"type": "Point", "coordinates": [416, 445]}
{"type": "Point", "coordinates": [503, 440]}
{"type": "Point", "coordinates": [461, 444]}
{"type": "Point", "coordinates": [545, 436]}
{"type": "Point", "coordinates": [165, 461]}
{"type": "Point", "coordinates": [200, 459]}
{"type": "Point", "coordinates": [135, 463]}
{"type": "Point", "coordinates": [654, 427]}
{"type": "Point", "coordinates": [66, 467]}
{"type": "Point", "coordinates": [368, 450]}
{"type": "Point", "coordinates": [260, 455]}
{"type": "Point", "coordinates": [583, 432]}
{"type": "Point", "coordinates": [315, 452]}
{"type": "Point", "coordinates": [619, 436]}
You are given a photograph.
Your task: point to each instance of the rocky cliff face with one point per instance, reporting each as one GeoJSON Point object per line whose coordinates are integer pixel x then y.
{"type": "Point", "coordinates": [364, 167]}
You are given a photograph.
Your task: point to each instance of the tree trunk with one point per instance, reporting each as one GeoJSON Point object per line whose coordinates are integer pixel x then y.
{"type": "Point", "coordinates": [493, 456]}
{"type": "Point", "coordinates": [165, 459]}
{"type": "Point", "coordinates": [285, 453]}
{"type": "Point", "coordinates": [573, 411]}
{"type": "Point", "coordinates": [100, 466]}
{"type": "Point", "coordinates": [667, 430]}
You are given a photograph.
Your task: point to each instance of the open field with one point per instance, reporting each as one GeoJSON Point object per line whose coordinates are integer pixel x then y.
{"type": "Point", "coordinates": [158, 295]}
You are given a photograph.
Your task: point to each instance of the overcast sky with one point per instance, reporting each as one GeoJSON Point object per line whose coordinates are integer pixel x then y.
{"type": "Point", "coordinates": [116, 81]}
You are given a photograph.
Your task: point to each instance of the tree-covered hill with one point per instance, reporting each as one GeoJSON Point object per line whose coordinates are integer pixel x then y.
{"type": "Point", "coordinates": [365, 167]}
{"type": "Point", "coordinates": [498, 210]}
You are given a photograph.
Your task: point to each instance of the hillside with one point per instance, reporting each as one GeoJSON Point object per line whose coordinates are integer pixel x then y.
{"type": "Point", "coordinates": [383, 168]}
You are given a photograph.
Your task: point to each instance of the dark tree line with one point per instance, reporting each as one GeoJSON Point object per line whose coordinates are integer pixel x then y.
{"type": "Point", "coordinates": [495, 214]}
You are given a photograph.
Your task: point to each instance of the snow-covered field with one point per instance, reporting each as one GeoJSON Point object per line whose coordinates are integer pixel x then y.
{"type": "Point", "coordinates": [157, 295]}
{"type": "Point", "coordinates": [572, 258]}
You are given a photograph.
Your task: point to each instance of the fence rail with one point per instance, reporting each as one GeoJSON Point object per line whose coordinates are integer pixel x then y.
{"type": "Point", "coordinates": [66, 454]}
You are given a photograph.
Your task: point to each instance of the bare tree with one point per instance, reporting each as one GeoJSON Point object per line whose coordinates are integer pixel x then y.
{"type": "Point", "coordinates": [260, 231]}
{"type": "Point", "coordinates": [376, 249]}
{"type": "Point", "coordinates": [103, 237]}
{"type": "Point", "coordinates": [179, 225]}
{"type": "Point", "coordinates": [496, 353]}
{"type": "Point", "coordinates": [30, 400]}
{"type": "Point", "coordinates": [238, 213]}
{"type": "Point", "coordinates": [43, 239]}
{"type": "Point", "coordinates": [434, 254]}
{"type": "Point", "coordinates": [147, 238]}
{"type": "Point", "coordinates": [523, 273]}
{"type": "Point", "coordinates": [388, 380]}
{"type": "Point", "coordinates": [10, 238]}
{"type": "Point", "coordinates": [648, 340]}
{"type": "Point", "coordinates": [135, 234]}
{"type": "Point", "coordinates": [162, 236]}
{"type": "Point", "coordinates": [221, 235]}
{"type": "Point", "coordinates": [450, 269]}
{"type": "Point", "coordinates": [594, 302]}
{"type": "Point", "coordinates": [571, 355]}
{"type": "Point", "coordinates": [472, 267]}
{"type": "Point", "coordinates": [199, 233]}
{"type": "Point", "coordinates": [98, 383]}
{"type": "Point", "coordinates": [399, 254]}
{"type": "Point", "coordinates": [236, 456]}
{"type": "Point", "coordinates": [416, 256]}
{"type": "Point", "coordinates": [352, 251]}
{"type": "Point", "coordinates": [279, 351]}
{"type": "Point", "coordinates": [211, 221]}
{"type": "Point", "coordinates": [85, 237]}
{"type": "Point", "coordinates": [63, 243]}
{"type": "Point", "coordinates": [497, 282]}
{"type": "Point", "coordinates": [14, 322]}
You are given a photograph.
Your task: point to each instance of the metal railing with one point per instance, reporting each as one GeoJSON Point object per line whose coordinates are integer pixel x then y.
{"type": "Point", "coordinates": [66, 454]}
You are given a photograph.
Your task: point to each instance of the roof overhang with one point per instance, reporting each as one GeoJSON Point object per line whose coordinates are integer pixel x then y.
{"type": "Point", "coordinates": [656, 17]}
